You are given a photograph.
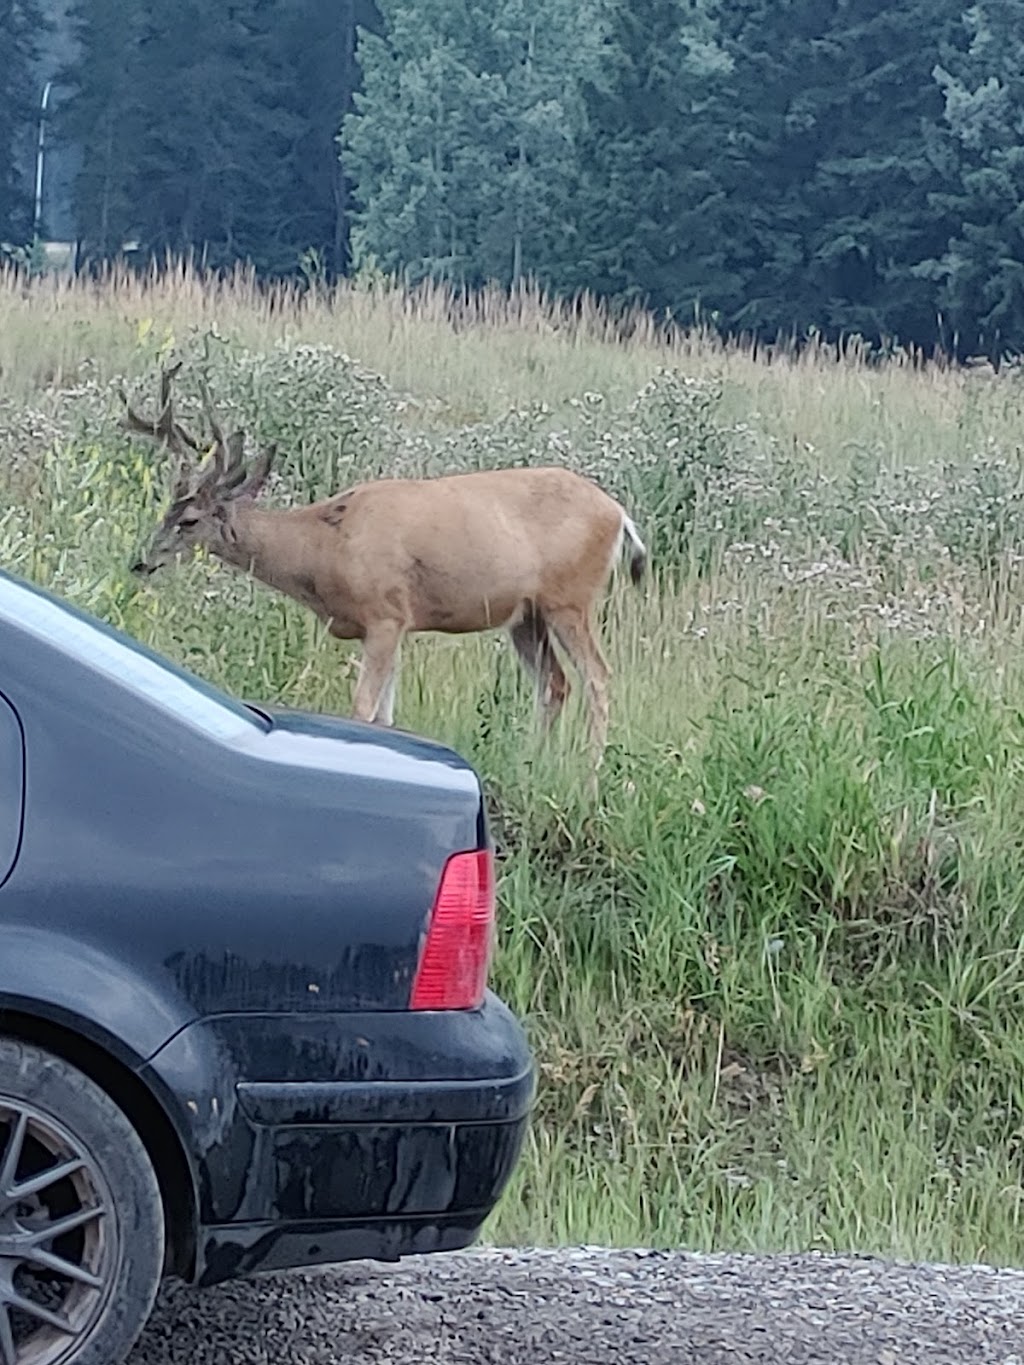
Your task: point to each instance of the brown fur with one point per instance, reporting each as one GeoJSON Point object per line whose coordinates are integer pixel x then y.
{"type": "Point", "coordinates": [528, 550]}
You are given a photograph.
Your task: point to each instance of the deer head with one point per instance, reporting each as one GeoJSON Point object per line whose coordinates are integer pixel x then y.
{"type": "Point", "coordinates": [203, 499]}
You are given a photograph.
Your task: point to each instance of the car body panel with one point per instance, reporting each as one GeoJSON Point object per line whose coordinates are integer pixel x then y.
{"type": "Point", "coordinates": [84, 987]}
{"type": "Point", "coordinates": [158, 817]}
{"type": "Point", "coordinates": [231, 901]}
{"type": "Point", "coordinates": [12, 786]}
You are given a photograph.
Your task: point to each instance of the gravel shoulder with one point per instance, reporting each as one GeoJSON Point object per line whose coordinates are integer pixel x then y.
{"type": "Point", "coordinates": [592, 1306]}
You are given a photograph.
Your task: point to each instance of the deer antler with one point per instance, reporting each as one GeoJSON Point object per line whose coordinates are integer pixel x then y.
{"type": "Point", "coordinates": [225, 470]}
{"type": "Point", "coordinates": [164, 429]}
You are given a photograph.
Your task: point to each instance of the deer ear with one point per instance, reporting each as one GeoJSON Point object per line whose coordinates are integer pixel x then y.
{"type": "Point", "coordinates": [231, 481]}
{"type": "Point", "coordinates": [257, 475]}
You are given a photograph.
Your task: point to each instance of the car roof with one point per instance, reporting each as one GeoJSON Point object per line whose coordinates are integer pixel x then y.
{"type": "Point", "coordinates": [121, 660]}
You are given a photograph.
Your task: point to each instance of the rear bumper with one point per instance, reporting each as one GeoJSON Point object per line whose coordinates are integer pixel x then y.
{"type": "Point", "coordinates": [319, 1138]}
{"type": "Point", "coordinates": [283, 1104]}
{"type": "Point", "coordinates": [294, 1103]}
{"type": "Point", "coordinates": [238, 1250]}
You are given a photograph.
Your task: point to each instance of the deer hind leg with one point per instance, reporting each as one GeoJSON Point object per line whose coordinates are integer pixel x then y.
{"type": "Point", "coordinates": [375, 687]}
{"type": "Point", "coordinates": [536, 654]}
{"type": "Point", "coordinates": [574, 633]}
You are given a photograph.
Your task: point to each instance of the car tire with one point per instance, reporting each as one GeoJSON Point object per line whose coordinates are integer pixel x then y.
{"type": "Point", "coordinates": [84, 1249]}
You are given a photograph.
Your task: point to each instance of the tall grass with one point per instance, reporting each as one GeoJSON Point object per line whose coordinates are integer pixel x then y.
{"type": "Point", "coordinates": [774, 976]}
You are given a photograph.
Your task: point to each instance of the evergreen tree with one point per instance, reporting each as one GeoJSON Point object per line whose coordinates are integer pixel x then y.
{"type": "Point", "coordinates": [213, 127]}
{"type": "Point", "coordinates": [828, 176]}
{"type": "Point", "coordinates": [873, 184]}
{"type": "Point", "coordinates": [212, 168]}
{"type": "Point", "coordinates": [980, 149]}
{"type": "Point", "coordinates": [651, 209]}
{"type": "Point", "coordinates": [104, 117]}
{"type": "Point", "coordinates": [21, 24]}
{"type": "Point", "coordinates": [461, 142]}
{"type": "Point", "coordinates": [318, 47]}
{"type": "Point", "coordinates": [397, 145]}
{"type": "Point", "coordinates": [541, 57]}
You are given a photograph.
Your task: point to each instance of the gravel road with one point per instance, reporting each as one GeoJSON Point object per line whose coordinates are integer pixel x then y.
{"type": "Point", "coordinates": [596, 1307]}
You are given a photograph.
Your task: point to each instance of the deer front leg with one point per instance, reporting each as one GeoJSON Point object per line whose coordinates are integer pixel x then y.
{"type": "Point", "coordinates": [386, 706]}
{"type": "Point", "coordinates": [374, 694]}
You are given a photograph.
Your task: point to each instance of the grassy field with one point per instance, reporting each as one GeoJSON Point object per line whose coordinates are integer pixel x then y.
{"type": "Point", "coordinates": [775, 975]}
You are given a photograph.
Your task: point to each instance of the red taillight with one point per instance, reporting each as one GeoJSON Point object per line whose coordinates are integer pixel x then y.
{"type": "Point", "coordinates": [452, 974]}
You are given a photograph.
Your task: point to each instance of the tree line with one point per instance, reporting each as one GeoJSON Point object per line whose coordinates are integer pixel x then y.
{"type": "Point", "coordinates": [766, 166]}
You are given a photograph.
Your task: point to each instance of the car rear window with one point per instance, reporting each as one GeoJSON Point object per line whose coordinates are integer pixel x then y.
{"type": "Point", "coordinates": [124, 661]}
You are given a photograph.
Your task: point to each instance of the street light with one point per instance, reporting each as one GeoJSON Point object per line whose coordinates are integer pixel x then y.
{"type": "Point", "coordinates": [43, 106]}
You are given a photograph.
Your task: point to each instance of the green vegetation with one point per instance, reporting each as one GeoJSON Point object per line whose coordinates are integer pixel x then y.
{"type": "Point", "coordinates": [775, 974]}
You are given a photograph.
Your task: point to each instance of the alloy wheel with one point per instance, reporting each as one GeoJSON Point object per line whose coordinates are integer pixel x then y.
{"type": "Point", "coordinates": [58, 1238]}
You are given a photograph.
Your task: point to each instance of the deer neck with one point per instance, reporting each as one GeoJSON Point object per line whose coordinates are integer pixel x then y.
{"type": "Point", "coordinates": [266, 544]}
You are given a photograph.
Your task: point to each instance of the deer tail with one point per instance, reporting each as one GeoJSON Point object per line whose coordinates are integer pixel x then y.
{"type": "Point", "coordinates": [638, 555]}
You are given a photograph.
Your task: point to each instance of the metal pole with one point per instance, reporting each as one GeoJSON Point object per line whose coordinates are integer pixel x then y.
{"type": "Point", "coordinates": [44, 104]}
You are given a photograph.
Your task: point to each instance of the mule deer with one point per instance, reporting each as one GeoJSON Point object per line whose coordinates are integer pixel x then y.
{"type": "Point", "coordinates": [528, 550]}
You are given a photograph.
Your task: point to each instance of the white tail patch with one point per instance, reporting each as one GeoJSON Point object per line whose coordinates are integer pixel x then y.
{"type": "Point", "coordinates": [629, 529]}
{"type": "Point", "coordinates": [638, 558]}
